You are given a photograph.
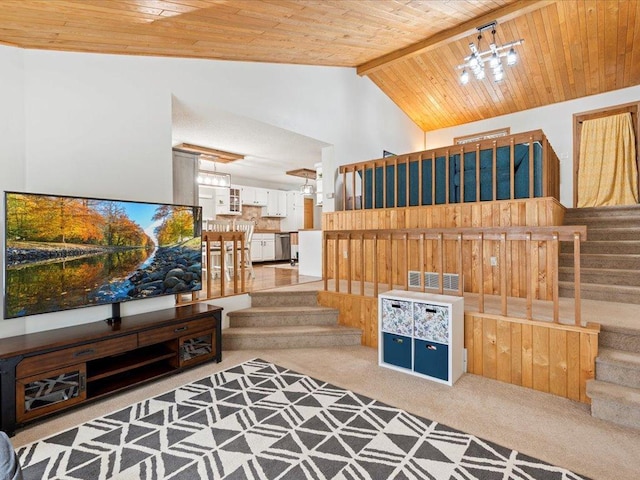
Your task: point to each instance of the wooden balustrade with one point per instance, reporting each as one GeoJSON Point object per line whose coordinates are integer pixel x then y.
{"type": "Point", "coordinates": [387, 257]}
{"type": "Point", "coordinates": [215, 282]}
{"type": "Point", "coordinates": [360, 180]}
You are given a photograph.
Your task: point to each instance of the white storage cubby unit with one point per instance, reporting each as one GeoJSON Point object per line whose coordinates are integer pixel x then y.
{"type": "Point", "coordinates": [421, 334]}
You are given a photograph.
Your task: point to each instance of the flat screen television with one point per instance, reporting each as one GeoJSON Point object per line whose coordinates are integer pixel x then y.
{"type": "Point", "coordinates": [64, 252]}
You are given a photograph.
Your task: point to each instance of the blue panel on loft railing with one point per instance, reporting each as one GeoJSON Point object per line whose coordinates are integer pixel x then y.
{"type": "Point", "coordinates": [441, 178]}
{"type": "Point", "coordinates": [414, 184]}
{"type": "Point", "coordinates": [503, 190]}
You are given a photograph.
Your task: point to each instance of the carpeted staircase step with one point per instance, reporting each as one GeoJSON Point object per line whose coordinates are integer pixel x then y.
{"type": "Point", "coordinates": [600, 291]}
{"type": "Point", "coordinates": [615, 403]}
{"type": "Point", "coordinates": [608, 221]}
{"type": "Point", "coordinates": [283, 316]}
{"type": "Point", "coordinates": [619, 338]}
{"type": "Point", "coordinates": [618, 247]}
{"type": "Point", "coordinates": [626, 262]}
{"type": "Point", "coordinates": [610, 276]}
{"type": "Point", "coordinates": [272, 298]}
{"type": "Point", "coordinates": [619, 367]}
{"type": "Point", "coordinates": [600, 212]}
{"type": "Point", "coordinates": [618, 233]}
{"type": "Point", "coordinates": [290, 337]}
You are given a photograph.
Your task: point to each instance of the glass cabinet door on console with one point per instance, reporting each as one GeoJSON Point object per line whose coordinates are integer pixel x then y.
{"type": "Point", "coordinates": [196, 348]}
{"type": "Point", "coordinates": [50, 391]}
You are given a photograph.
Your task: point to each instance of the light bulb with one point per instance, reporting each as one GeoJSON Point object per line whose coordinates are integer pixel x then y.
{"type": "Point", "coordinates": [495, 61]}
{"type": "Point", "coordinates": [480, 75]}
{"type": "Point", "coordinates": [473, 61]}
{"type": "Point", "coordinates": [512, 57]}
{"type": "Point", "coordinates": [497, 75]}
{"type": "Point", "coordinates": [464, 78]}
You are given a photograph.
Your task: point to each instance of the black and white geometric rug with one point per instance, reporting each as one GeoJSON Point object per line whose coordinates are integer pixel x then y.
{"type": "Point", "coordinates": [261, 421]}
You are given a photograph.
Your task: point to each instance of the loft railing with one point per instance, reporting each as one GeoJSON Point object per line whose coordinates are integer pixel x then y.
{"type": "Point", "coordinates": [371, 258]}
{"type": "Point", "coordinates": [522, 165]}
{"type": "Point", "coordinates": [226, 276]}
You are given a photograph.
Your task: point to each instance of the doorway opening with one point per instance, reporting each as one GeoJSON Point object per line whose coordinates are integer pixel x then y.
{"type": "Point", "coordinates": [581, 143]}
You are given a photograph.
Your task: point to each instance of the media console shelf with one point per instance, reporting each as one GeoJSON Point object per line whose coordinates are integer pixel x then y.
{"type": "Point", "coordinates": [46, 372]}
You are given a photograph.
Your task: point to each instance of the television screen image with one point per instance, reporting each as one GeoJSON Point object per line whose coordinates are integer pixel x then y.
{"type": "Point", "coordinates": [66, 252]}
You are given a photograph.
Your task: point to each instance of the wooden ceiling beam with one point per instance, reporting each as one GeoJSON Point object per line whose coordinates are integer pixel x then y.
{"type": "Point", "coordinates": [219, 155]}
{"type": "Point", "coordinates": [504, 14]}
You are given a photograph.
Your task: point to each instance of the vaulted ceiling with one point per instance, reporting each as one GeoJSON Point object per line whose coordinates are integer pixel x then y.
{"type": "Point", "coordinates": [409, 48]}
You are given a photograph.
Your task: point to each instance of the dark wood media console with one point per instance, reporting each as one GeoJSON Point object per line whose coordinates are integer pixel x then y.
{"type": "Point", "coordinates": [46, 372]}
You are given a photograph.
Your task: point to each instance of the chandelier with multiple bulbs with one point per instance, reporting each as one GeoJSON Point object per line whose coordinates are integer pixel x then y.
{"type": "Point", "coordinates": [475, 63]}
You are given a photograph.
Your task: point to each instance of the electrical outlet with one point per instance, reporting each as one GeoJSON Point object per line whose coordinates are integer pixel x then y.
{"type": "Point", "coordinates": [494, 261]}
{"type": "Point", "coordinates": [345, 254]}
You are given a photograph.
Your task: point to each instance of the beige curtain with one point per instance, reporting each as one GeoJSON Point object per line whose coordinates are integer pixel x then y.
{"type": "Point", "coordinates": [608, 173]}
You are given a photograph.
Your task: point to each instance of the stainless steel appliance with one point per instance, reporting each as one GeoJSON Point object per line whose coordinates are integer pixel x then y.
{"type": "Point", "coordinates": [283, 246]}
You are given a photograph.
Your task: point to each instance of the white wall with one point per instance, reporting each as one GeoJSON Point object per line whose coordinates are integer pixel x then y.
{"type": "Point", "coordinates": [556, 121]}
{"type": "Point", "coordinates": [100, 125]}
{"type": "Point", "coordinates": [12, 152]}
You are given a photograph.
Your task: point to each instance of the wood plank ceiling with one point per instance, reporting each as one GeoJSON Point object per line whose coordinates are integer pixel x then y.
{"type": "Point", "coordinates": [409, 48]}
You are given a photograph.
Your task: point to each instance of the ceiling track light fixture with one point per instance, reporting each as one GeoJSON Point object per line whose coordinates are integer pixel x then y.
{"type": "Point", "coordinates": [475, 63]}
{"type": "Point", "coordinates": [307, 189]}
{"type": "Point", "coordinates": [212, 178]}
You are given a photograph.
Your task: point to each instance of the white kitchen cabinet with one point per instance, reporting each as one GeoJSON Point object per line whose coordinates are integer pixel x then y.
{"type": "Point", "coordinates": [263, 247]}
{"type": "Point", "coordinates": [276, 203]}
{"type": "Point", "coordinates": [228, 201]}
{"type": "Point", "coordinates": [207, 200]}
{"type": "Point", "coordinates": [254, 196]}
{"type": "Point", "coordinates": [422, 334]}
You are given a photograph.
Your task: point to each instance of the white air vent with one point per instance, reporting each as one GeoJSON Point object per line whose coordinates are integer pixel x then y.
{"type": "Point", "coordinates": [432, 280]}
{"type": "Point", "coordinates": [414, 279]}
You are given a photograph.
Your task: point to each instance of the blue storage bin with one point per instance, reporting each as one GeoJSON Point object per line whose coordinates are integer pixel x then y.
{"type": "Point", "coordinates": [396, 350]}
{"type": "Point", "coordinates": [432, 359]}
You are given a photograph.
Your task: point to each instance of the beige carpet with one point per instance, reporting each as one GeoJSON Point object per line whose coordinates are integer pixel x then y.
{"type": "Point", "coordinates": [550, 428]}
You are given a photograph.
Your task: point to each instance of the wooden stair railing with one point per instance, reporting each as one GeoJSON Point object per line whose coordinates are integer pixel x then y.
{"type": "Point", "coordinates": [336, 240]}
{"type": "Point", "coordinates": [233, 242]}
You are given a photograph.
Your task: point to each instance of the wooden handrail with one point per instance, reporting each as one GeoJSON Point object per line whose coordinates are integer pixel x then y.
{"type": "Point", "coordinates": [395, 272]}
{"type": "Point", "coordinates": [226, 241]}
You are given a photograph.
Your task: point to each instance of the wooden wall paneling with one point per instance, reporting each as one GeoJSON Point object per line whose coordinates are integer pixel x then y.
{"type": "Point", "coordinates": [588, 350]}
{"type": "Point", "coordinates": [527, 355]}
{"type": "Point", "coordinates": [478, 345]}
{"type": "Point", "coordinates": [540, 358]}
{"type": "Point", "coordinates": [349, 261]}
{"type": "Point", "coordinates": [503, 268]}
{"type": "Point", "coordinates": [558, 359]}
{"type": "Point", "coordinates": [552, 271]}
{"type": "Point", "coordinates": [469, 344]}
{"type": "Point", "coordinates": [504, 351]}
{"type": "Point", "coordinates": [558, 362]}
{"type": "Point", "coordinates": [573, 366]}
{"type": "Point", "coordinates": [363, 271]}
{"type": "Point", "coordinates": [516, 353]}
{"type": "Point", "coordinates": [489, 348]}
{"type": "Point", "coordinates": [375, 267]}
{"type": "Point", "coordinates": [355, 311]}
